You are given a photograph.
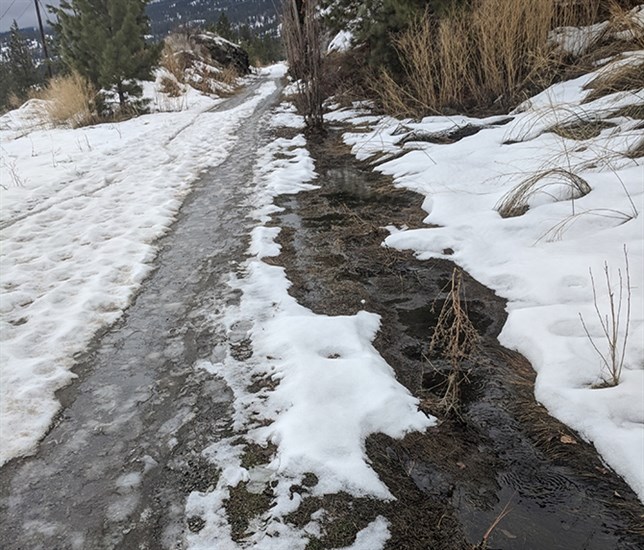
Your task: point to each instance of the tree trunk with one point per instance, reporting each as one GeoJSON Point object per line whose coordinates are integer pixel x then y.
{"type": "Point", "coordinates": [119, 89]}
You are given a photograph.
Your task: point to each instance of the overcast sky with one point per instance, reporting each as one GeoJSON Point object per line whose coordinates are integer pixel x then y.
{"type": "Point", "coordinates": [23, 11]}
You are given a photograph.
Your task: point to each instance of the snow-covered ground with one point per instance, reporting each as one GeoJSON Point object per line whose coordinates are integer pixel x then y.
{"type": "Point", "coordinates": [333, 387]}
{"type": "Point", "coordinates": [541, 261]}
{"type": "Point", "coordinates": [81, 211]}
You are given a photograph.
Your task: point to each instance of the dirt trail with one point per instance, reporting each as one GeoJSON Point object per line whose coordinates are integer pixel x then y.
{"type": "Point", "coordinates": [453, 482]}
{"type": "Point", "coordinates": [116, 467]}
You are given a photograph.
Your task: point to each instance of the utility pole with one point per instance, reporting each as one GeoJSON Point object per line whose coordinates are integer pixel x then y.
{"type": "Point", "coordinates": [42, 37]}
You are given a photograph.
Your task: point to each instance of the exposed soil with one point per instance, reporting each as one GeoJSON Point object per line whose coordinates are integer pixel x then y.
{"type": "Point", "coordinates": [452, 482]}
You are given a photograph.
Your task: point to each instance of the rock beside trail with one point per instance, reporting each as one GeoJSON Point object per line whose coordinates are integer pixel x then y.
{"type": "Point", "coordinates": [223, 52]}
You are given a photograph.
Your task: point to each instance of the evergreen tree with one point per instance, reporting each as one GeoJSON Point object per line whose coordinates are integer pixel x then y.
{"type": "Point", "coordinates": [5, 89]}
{"type": "Point", "coordinates": [21, 70]}
{"type": "Point", "coordinates": [223, 27]}
{"type": "Point", "coordinates": [104, 40]}
{"type": "Point", "coordinates": [376, 22]}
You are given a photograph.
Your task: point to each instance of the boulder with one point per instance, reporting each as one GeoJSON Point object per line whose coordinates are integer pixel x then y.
{"type": "Point", "coordinates": [222, 51]}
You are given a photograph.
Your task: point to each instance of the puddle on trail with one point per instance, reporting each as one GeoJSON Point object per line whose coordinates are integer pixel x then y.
{"type": "Point", "coordinates": [452, 483]}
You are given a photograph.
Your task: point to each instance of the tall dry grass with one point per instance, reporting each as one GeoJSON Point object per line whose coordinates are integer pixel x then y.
{"type": "Point", "coordinates": [488, 52]}
{"type": "Point", "coordinates": [70, 100]}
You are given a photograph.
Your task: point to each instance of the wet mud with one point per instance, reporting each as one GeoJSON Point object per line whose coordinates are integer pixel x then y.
{"type": "Point", "coordinates": [500, 474]}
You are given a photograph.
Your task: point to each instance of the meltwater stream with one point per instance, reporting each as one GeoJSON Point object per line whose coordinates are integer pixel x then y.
{"type": "Point", "coordinates": [115, 469]}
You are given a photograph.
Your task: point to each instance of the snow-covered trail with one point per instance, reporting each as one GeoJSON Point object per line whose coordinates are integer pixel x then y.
{"type": "Point", "coordinates": [115, 469]}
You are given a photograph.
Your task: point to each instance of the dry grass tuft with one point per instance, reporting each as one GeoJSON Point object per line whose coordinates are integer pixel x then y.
{"type": "Point", "coordinates": [176, 55]}
{"type": "Point", "coordinates": [70, 100]}
{"type": "Point", "coordinates": [635, 112]}
{"type": "Point", "coordinates": [170, 86]}
{"type": "Point", "coordinates": [626, 25]}
{"type": "Point", "coordinates": [637, 151]}
{"type": "Point", "coordinates": [581, 130]}
{"type": "Point", "coordinates": [228, 75]}
{"type": "Point", "coordinates": [627, 77]}
{"type": "Point", "coordinates": [516, 202]}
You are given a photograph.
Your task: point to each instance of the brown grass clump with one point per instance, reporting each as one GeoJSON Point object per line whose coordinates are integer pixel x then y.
{"type": "Point", "coordinates": [516, 202]}
{"type": "Point", "coordinates": [581, 130]}
{"type": "Point", "coordinates": [190, 63]}
{"type": "Point", "coordinates": [228, 75]}
{"type": "Point", "coordinates": [176, 55]}
{"type": "Point", "coordinates": [637, 151]}
{"type": "Point", "coordinates": [628, 76]}
{"type": "Point", "coordinates": [488, 53]}
{"type": "Point", "coordinates": [70, 100]}
{"type": "Point", "coordinates": [170, 86]}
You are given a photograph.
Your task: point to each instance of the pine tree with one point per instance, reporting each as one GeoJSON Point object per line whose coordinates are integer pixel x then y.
{"type": "Point", "coordinates": [104, 40]}
{"type": "Point", "coordinates": [22, 72]}
{"type": "Point", "coordinates": [223, 27]}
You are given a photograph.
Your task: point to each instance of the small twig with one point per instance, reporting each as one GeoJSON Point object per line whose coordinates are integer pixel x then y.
{"type": "Point", "coordinates": [506, 510]}
{"type": "Point", "coordinates": [611, 322]}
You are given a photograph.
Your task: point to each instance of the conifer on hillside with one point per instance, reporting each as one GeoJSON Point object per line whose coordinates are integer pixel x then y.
{"type": "Point", "coordinates": [105, 42]}
{"type": "Point", "coordinates": [19, 70]}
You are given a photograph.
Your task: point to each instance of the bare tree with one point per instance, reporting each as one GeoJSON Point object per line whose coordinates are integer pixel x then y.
{"type": "Point", "coordinates": [301, 34]}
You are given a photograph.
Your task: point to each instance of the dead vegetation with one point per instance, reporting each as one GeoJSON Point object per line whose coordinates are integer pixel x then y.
{"type": "Point", "coordinates": [490, 53]}
{"type": "Point", "coordinates": [614, 322]}
{"type": "Point", "coordinates": [628, 76]}
{"type": "Point", "coordinates": [581, 130]}
{"type": "Point", "coordinates": [70, 100]}
{"type": "Point", "coordinates": [456, 340]}
{"type": "Point", "coordinates": [557, 183]}
{"type": "Point", "coordinates": [301, 35]}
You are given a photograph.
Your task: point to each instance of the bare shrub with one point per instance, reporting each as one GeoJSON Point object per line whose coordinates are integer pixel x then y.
{"type": "Point", "coordinates": [301, 35]}
{"type": "Point", "coordinates": [615, 323]}
{"type": "Point", "coordinates": [70, 100]}
{"type": "Point", "coordinates": [456, 340]}
{"type": "Point", "coordinates": [516, 201]}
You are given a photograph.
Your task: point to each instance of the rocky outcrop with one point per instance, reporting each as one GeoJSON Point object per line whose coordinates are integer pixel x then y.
{"type": "Point", "coordinates": [222, 52]}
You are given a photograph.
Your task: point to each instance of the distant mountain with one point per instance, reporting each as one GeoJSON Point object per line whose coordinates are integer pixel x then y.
{"type": "Point", "coordinates": [260, 15]}
{"type": "Point", "coordinates": [166, 15]}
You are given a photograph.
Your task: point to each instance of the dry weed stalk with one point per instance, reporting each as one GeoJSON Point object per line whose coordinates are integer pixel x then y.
{"type": "Point", "coordinates": [486, 536]}
{"type": "Point", "coordinates": [616, 337]}
{"type": "Point", "coordinates": [456, 339]}
{"type": "Point", "coordinates": [516, 201]}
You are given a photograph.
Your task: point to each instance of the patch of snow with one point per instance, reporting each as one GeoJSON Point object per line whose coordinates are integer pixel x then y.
{"type": "Point", "coordinates": [577, 40]}
{"type": "Point", "coordinates": [81, 212]}
{"type": "Point", "coordinates": [373, 537]}
{"type": "Point", "coordinates": [341, 42]}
